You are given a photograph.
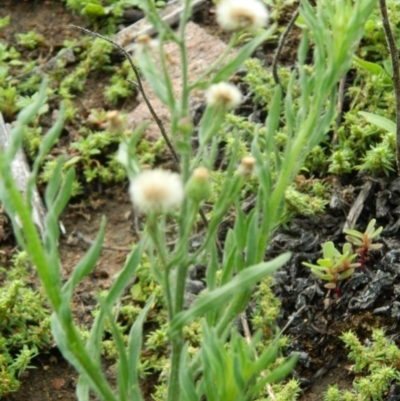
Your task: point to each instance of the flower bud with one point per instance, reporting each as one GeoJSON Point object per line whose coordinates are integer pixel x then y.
{"type": "Point", "coordinates": [246, 167]}
{"type": "Point", "coordinates": [198, 188]}
{"type": "Point", "coordinates": [116, 124]}
{"type": "Point", "coordinates": [185, 126]}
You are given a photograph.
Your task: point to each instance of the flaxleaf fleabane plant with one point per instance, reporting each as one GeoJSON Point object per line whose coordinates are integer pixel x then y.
{"type": "Point", "coordinates": [224, 366]}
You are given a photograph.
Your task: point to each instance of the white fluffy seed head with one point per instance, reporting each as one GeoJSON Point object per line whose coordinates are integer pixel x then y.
{"type": "Point", "coordinates": [233, 15]}
{"type": "Point", "coordinates": [223, 95]}
{"type": "Point", "coordinates": [157, 191]}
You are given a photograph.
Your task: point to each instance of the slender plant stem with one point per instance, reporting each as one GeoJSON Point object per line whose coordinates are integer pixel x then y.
{"type": "Point", "coordinates": [161, 251]}
{"type": "Point", "coordinates": [173, 381]}
{"type": "Point", "coordinates": [394, 55]}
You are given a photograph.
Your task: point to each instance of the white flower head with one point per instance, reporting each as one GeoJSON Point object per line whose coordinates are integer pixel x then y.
{"type": "Point", "coordinates": [233, 15]}
{"type": "Point", "coordinates": [223, 95]}
{"type": "Point", "coordinates": [157, 191]}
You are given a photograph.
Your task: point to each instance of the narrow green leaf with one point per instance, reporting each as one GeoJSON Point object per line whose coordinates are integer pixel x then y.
{"type": "Point", "coordinates": [327, 277]}
{"type": "Point", "coordinates": [153, 75]}
{"type": "Point", "coordinates": [45, 145]}
{"type": "Point", "coordinates": [252, 235]}
{"type": "Point", "coordinates": [289, 109]}
{"type": "Point", "coordinates": [27, 114]}
{"type": "Point", "coordinates": [238, 375]}
{"type": "Point", "coordinates": [379, 121]}
{"type": "Point", "coordinates": [123, 278]}
{"type": "Point", "coordinates": [87, 263]}
{"type": "Point", "coordinates": [266, 358]}
{"type": "Point", "coordinates": [218, 297]}
{"type": "Point", "coordinates": [346, 274]}
{"type": "Point", "coordinates": [373, 68]}
{"type": "Point", "coordinates": [51, 136]}
{"type": "Point", "coordinates": [273, 119]}
{"type": "Point", "coordinates": [212, 268]}
{"type": "Point", "coordinates": [228, 268]}
{"type": "Point", "coordinates": [125, 275]}
{"type": "Point", "coordinates": [353, 233]}
{"type": "Point", "coordinates": [240, 229]}
{"type": "Point", "coordinates": [134, 348]}
{"type": "Point", "coordinates": [82, 389]}
{"type": "Point", "coordinates": [64, 194]}
{"type": "Point", "coordinates": [304, 45]}
{"type": "Point", "coordinates": [186, 378]}
{"type": "Point", "coordinates": [124, 374]}
{"type": "Point", "coordinates": [282, 371]}
{"type": "Point", "coordinates": [243, 54]}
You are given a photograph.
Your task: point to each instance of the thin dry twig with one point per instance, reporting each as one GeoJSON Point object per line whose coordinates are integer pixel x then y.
{"type": "Point", "coordinates": [281, 43]}
{"type": "Point", "coordinates": [291, 319]}
{"type": "Point", "coordinates": [394, 55]}
{"type": "Point", "coordinates": [246, 328]}
{"type": "Point", "coordinates": [358, 205]}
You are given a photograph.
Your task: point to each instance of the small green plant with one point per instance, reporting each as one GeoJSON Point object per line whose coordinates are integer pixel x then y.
{"type": "Point", "coordinates": [376, 366]}
{"type": "Point", "coordinates": [363, 241]}
{"type": "Point", "coordinates": [24, 323]}
{"type": "Point", "coordinates": [8, 101]}
{"type": "Point", "coordinates": [106, 13]}
{"type": "Point", "coordinates": [4, 21]}
{"type": "Point", "coordinates": [336, 266]}
{"type": "Point", "coordinates": [30, 40]}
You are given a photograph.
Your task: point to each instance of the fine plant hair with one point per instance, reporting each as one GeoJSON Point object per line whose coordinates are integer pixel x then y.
{"type": "Point", "coordinates": [225, 366]}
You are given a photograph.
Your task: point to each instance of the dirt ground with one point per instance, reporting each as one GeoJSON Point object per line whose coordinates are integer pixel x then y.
{"type": "Point", "coordinates": [317, 328]}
